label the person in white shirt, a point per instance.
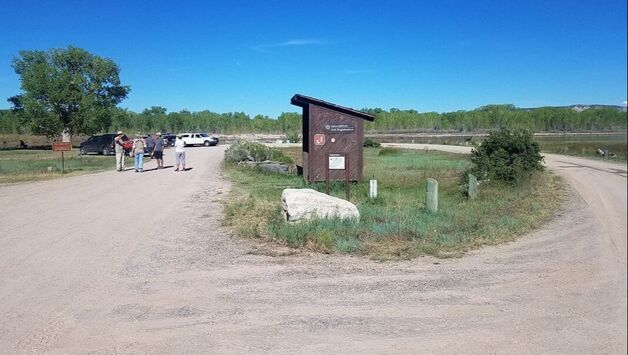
(179, 152)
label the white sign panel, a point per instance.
(336, 163)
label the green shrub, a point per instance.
(371, 143)
(243, 150)
(292, 136)
(507, 156)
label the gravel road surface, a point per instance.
(126, 263)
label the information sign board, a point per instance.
(336, 162)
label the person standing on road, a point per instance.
(138, 152)
(179, 152)
(150, 144)
(119, 149)
(158, 150)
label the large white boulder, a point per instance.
(303, 204)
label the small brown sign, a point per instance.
(319, 139)
(61, 147)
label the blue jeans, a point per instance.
(139, 161)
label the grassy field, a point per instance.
(12, 141)
(17, 165)
(583, 145)
(396, 224)
(586, 147)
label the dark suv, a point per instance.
(101, 144)
(169, 139)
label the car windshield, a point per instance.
(204, 135)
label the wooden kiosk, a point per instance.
(332, 140)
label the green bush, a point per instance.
(243, 150)
(507, 156)
(371, 143)
(292, 136)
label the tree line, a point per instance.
(157, 118)
(487, 118)
(491, 117)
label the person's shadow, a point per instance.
(155, 168)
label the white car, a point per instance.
(199, 138)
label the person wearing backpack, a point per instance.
(138, 152)
(150, 144)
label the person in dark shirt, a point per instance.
(150, 144)
(158, 150)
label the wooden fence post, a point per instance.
(373, 188)
(473, 187)
(432, 195)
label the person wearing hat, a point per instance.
(119, 149)
(158, 150)
(138, 152)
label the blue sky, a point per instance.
(252, 56)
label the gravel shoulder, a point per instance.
(139, 263)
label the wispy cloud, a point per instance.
(290, 43)
(358, 71)
(625, 103)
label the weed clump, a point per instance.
(389, 151)
(370, 143)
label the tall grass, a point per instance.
(32, 165)
(396, 224)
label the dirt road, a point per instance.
(138, 263)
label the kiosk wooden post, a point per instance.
(347, 186)
(331, 130)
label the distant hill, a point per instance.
(581, 107)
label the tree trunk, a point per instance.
(66, 136)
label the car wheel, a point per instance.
(105, 151)
(82, 151)
(206, 143)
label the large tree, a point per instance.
(66, 91)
